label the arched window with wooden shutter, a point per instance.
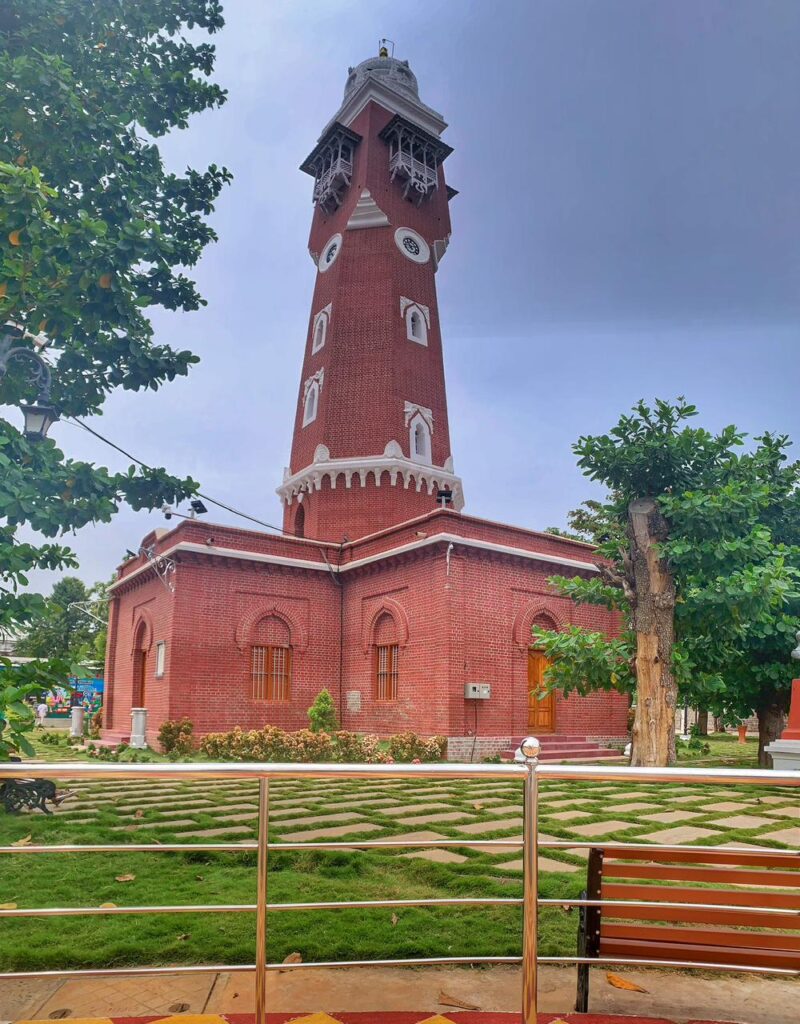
(271, 660)
(386, 654)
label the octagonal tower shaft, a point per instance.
(371, 445)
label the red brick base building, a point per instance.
(380, 589)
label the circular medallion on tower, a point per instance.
(332, 249)
(411, 245)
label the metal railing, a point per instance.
(528, 772)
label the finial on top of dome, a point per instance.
(383, 49)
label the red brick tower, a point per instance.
(371, 445)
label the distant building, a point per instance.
(381, 589)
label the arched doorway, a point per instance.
(541, 705)
(139, 692)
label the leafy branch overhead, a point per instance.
(94, 230)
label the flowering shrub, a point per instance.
(407, 746)
(273, 744)
(353, 748)
(176, 737)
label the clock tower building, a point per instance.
(379, 588)
(371, 445)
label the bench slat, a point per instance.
(702, 954)
(684, 873)
(676, 894)
(701, 855)
(744, 917)
(701, 937)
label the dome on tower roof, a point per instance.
(394, 73)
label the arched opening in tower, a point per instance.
(300, 522)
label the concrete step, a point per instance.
(569, 752)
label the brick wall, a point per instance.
(459, 617)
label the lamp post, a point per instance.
(41, 414)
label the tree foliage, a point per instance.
(65, 629)
(93, 231)
(732, 546)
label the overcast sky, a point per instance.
(627, 226)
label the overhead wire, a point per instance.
(200, 494)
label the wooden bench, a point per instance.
(749, 881)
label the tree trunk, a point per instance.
(653, 611)
(702, 722)
(719, 723)
(771, 713)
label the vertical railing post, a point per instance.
(530, 747)
(261, 902)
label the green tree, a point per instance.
(701, 562)
(93, 231)
(322, 713)
(63, 629)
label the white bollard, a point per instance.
(138, 728)
(77, 716)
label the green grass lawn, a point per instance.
(179, 879)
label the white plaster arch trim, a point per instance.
(425, 310)
(298, 634)
(142, 627)
(419, 443)
(523, 622)
(319, 330)
(412, 409)
(387, 606)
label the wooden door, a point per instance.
(541, 711)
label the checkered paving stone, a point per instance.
(432, 819)
(317, 819)
(330, 833)
(784, 812)
(669, 817)
(439, 856)
(636, 805)
(681, 834)
(477, 827)
(601, 828)
(743, 821)
(727, 805)
(567, 815)
(790, 836)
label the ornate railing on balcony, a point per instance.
(528, 773)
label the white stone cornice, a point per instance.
(210, 551)
(399, 470)
(390, 99)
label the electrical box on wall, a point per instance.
(477, 691)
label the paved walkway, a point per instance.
(749, 1000)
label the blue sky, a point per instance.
(627, 226)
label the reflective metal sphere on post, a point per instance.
(530, 747)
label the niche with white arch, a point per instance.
(311, 393)
(417, 319)
(419, 440)
(320, 328)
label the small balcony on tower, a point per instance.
(331, 165)
(414, 158)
